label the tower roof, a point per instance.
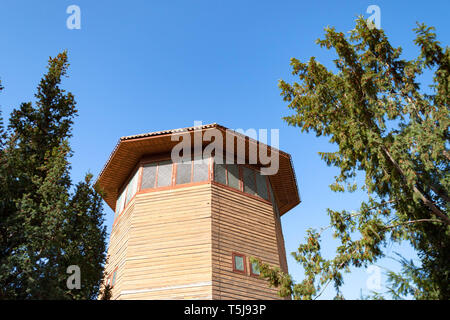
(129, 150)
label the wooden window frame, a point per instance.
(251, 270)
(108, 282)
(241, 182)
(113, 281)
(236, 254)
(137, 169)
(269, 194)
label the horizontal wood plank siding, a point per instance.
(178, 244)
(246, 226)
(117, 250)
(169, 247)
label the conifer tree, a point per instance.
(396, 132)
(46, 223)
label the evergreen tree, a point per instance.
(46, 224)
(105, 288)
(387, 126)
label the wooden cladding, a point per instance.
(183, 244)
(243, 226)
(168, 252)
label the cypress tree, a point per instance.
(387, 126)
(46, 223)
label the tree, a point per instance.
(396, 133)
(105, 292)
(46, 223)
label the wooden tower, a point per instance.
(187, 230)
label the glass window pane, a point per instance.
(255, 268)
(239, 263)
(184, 172)
(164, 173)
(272, 198)
(249, 180)
(119, 204)
(148, 176)
(233, 175)
(122, 199)
(219, 173)
(201, 169)
(276, 209)
(114, 278)
(261, 186)
(274, 203)
(132, 186)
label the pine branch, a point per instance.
(416, 189)
(412, 222)
(357, 214)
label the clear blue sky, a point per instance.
(141, 66)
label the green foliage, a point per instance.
(44, 226)
(386, 126)
(105, 292)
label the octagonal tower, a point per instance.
(187, 230)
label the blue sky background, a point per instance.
(142, 66)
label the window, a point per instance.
(132, 187)
(274, 202)
(233, 176)
(157, 174)
(201, 170)
(248, 177)
(113, 281)
(220, 172)
(254, 269)
(119, 204)
(148, 176)
(261, 186)
(249, 180)
(239, 263)
(184, 172)
(164, 173)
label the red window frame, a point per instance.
(251, 270)
(113, 279)
(175, 172)
(236, 254)
(241, 182)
